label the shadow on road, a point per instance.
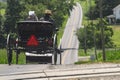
(64, 49)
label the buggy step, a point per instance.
(38, 58)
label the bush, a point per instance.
(111, 55)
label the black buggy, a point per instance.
(37, 37)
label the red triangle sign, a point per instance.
(32, 41)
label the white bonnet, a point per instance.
(31, 12)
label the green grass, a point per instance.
(116, 36)
(84, 62)
(111, 56)
(89, 52)
(61, 30)
(3, 57)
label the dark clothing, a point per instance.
(32, 18)
(47, 18)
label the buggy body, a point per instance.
(37, 37)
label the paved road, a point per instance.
(69, 42)
(103, 71)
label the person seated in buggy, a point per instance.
(32, 16)
(47, 16)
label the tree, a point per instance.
(2, 36)
(90, 35)
(12, 15)
(59, 8)
(108, 5)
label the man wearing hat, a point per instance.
(47, 16)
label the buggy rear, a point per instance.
(36, 37)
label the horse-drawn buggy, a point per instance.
(36, 37)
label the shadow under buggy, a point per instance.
(36, 37)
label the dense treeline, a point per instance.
(2, 19)
(18, 10)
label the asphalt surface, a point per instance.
(69, 41)
(101, 71)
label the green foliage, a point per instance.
(2, 12)
(2, 19)
(58, 8)
(18, 10)
(89, 52)
(61, 29)
(116, 36)
(111, 55)
(84, 62)
(2, 5)
(92, 31)
(12, 15)
(3, 57)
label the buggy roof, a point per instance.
(35, 26)
(34, 22)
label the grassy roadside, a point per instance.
(3, 57)
(116, 36)
(112, 55)
(61, 30)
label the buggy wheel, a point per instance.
(55, 57)
(17, 51)
(60, 55)
(55, 48)
(9, 50)
(17, 56)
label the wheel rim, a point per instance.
(17, 55)
(9, 56)
(55, 58)
(9, 51)
(55, 47)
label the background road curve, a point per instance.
(69, 42)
